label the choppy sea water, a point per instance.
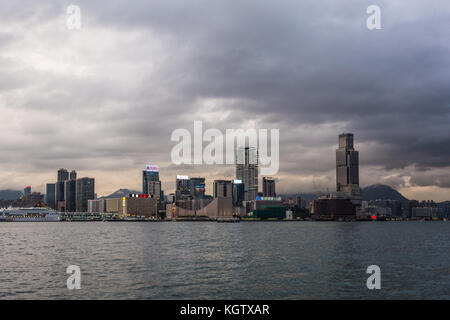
(207, 260)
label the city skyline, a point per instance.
(104, 99)
(63, 176)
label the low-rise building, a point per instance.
(97, 206)
(128, 207)
(333, 209)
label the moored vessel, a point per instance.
(29, 215)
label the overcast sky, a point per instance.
(105, 99)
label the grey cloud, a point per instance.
(136, 71)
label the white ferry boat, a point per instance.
(29, 215)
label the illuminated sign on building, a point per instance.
(199, 189)
(237, 181)
(137, 195)
(182, 177)
(268, 198)
(151, 168)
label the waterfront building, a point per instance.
(61, 206)
(183, 188)
(197, 187)
(247, 171)
(268, 187)
(347, 166)
(298, 202)
(50, 196)
(214, 208)
(268, 208)
(238, 192)
(85, 190)
(59, 191)
(133, 207)
(333, 209)
(154, 189)
(395, 206)
(149, 176)
(70, 195)
(97, 206)
(222, 188)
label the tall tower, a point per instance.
(269, 187)
(50, 195)
(73, 175)
(347, 166)
(85, 190)
(63, 175)
(150, 175)
(222, 188)
(247, 171)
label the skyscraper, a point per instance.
(197, 187)
(183, 188)
(59, 192)
(247, 171)
(238, 192)
(85, 190)
(27, 191)
(73, 175)
(154, 189)
(63, 175)
(222, 188)
(269, 187)
(70, 195)
(347, 166)
(50, 196)
(151, 173)
(151, 184)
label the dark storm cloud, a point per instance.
(112, 93)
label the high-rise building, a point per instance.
(154, 189)
(298, 201)
(197, 187)
(269, 187)
(63, 175)
(347, 166)
(151, 173)
(70, 195)
(73, 175)
(27, 191)
(59, 192)
(238, 192)
(85, 190)
(151, 184)
(183, 188)
(247, 171)
(50, 196)
(222, 189)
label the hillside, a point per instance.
(383, 192)
(119, 194)
(10, 194)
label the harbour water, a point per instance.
(207, 260)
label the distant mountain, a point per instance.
(383, 192)
(10, 194)
(119, 194)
